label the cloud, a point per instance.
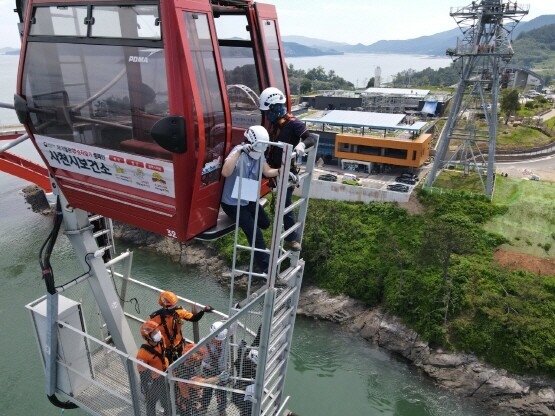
(350, 21)
(9, 33)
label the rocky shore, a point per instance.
(36, 199)
(463, 374)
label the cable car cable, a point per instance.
(46, 250)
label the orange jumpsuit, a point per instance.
(152, 384)
(171, 321)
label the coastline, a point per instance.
(502, 393)
(462, 374)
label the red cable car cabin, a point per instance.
(134, 105)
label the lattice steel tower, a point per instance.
(483, 52)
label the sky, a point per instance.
(349, 21)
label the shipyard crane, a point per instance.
(133, 107)
(483, 52)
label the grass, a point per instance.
(456, 180)
(529, 223)
(514, 138)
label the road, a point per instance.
(543, 167)
(549, 115)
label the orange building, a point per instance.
(392, 151)
(374, 138)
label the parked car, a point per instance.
(404, 179)
(328, 177)
(350, 179)
(351, 182)
(409, 175)
(398, 187)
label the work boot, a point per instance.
(293, 245)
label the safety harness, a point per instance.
(172, 351)
(160, 355)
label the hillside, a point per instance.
(9, 51)
(435, 44)
(292, 49)
(536, 48)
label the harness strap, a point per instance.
(163, 313)
(160, 356)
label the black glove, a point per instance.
(208, 308)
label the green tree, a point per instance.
(509, 103)
(306, 86)
(444, 237)
(371, 83)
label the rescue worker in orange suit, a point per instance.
(171, 318)
(153, 353)
(189, 398)
(286, 129)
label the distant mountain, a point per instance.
(315, 43)
(546, 19)
(423, 45)
(9, 51)
(293, 49)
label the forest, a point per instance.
(440, 278)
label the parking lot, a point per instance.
(381, 181)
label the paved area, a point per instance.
(375, 181)
(543, 167)
(549, 115)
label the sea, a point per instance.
(331, 371)
(358, 68)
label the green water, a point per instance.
(330, 372)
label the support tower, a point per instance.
(483, 52)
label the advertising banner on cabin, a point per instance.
(139, 172)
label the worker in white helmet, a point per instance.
(287, 129)
(245, 369)
(243, 164)
(213, 364)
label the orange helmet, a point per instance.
(167, 299)
(147, 328)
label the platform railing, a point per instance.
(105, 381)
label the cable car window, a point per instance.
(105, 96)
(232, 27)
(241, 76)
(59, 21)
(202, 51)
(129, 22)
(271, 39)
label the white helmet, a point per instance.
(258, 136)
(253, 356)
(270, 96)
(222, 334)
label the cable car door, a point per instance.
(272, 48)
(209, 124)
